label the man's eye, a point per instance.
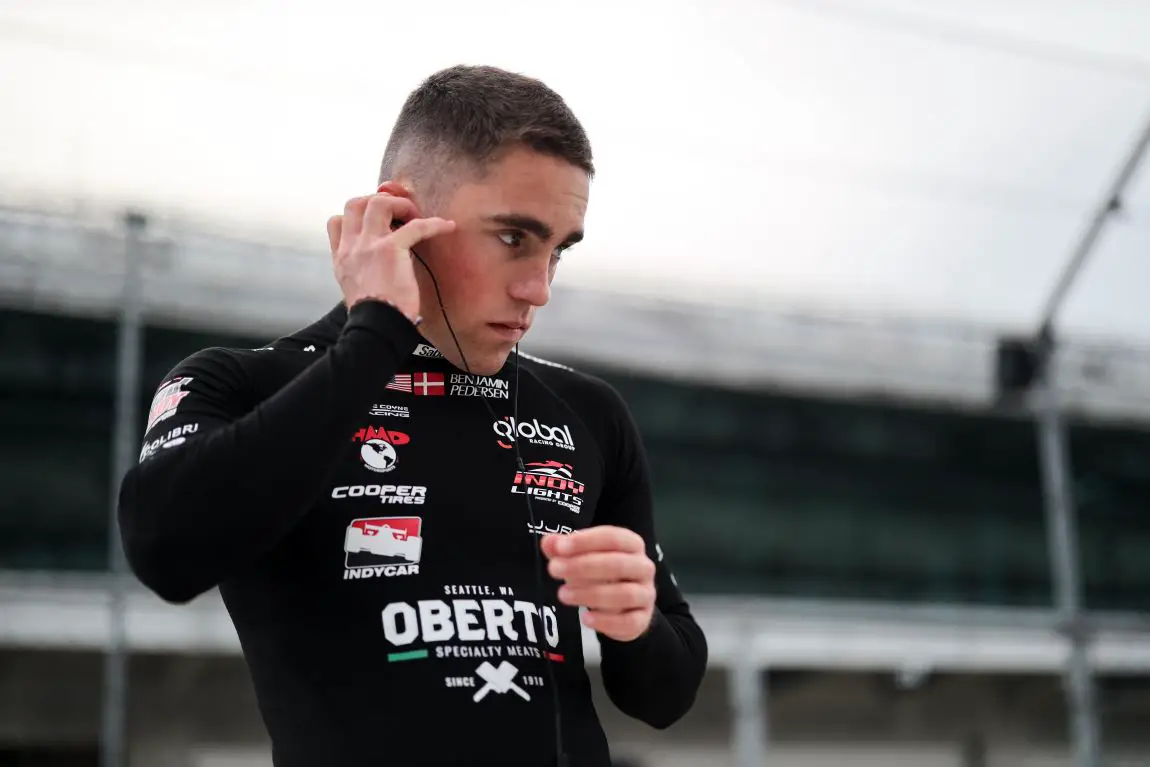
(511, 239)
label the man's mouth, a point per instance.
(509, 330)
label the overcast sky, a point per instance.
(932, 157)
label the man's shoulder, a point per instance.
(234, 367)
(578, 387)
(280, 359)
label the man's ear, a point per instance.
(396, 188)
(399, 189)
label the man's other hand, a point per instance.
(606, 570)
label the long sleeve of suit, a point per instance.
(656, 677)
(248, 467)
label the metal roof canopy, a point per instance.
(876, 157)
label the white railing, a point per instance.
(59, 611)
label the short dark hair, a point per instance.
(471, 114)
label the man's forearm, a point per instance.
(656, 677)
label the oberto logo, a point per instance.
(534, 432)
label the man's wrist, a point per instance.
(412, 316)
(642, 637)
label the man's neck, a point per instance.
(443, 341)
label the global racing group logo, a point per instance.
(508, 430)
(550, 481)
(378, 450)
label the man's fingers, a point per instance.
(382, 209)
(373, 216)
(602, 567)
(352, 220)
(609, 597)
(421, 229)
(597, 538)
(334, 229)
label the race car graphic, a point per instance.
(550, 468)
(377, 539)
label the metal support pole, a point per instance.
(1110, 204)
(748, 704)
(1062, 536)
(1059, 499)
(128, 364)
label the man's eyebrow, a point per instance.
(532, 225)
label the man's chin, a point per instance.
(485, 355)
(481, 360)
(489, 364)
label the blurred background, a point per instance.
(872, 274)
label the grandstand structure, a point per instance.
(856, 520)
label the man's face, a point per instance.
(495, 269)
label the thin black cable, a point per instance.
(560, 753)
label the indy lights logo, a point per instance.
(550, 481)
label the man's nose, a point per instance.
(533, 285)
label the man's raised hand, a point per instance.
(605, 569)
(373, 261)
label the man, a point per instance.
(409, 520)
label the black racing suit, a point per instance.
(365, 521)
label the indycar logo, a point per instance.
(377, 547)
